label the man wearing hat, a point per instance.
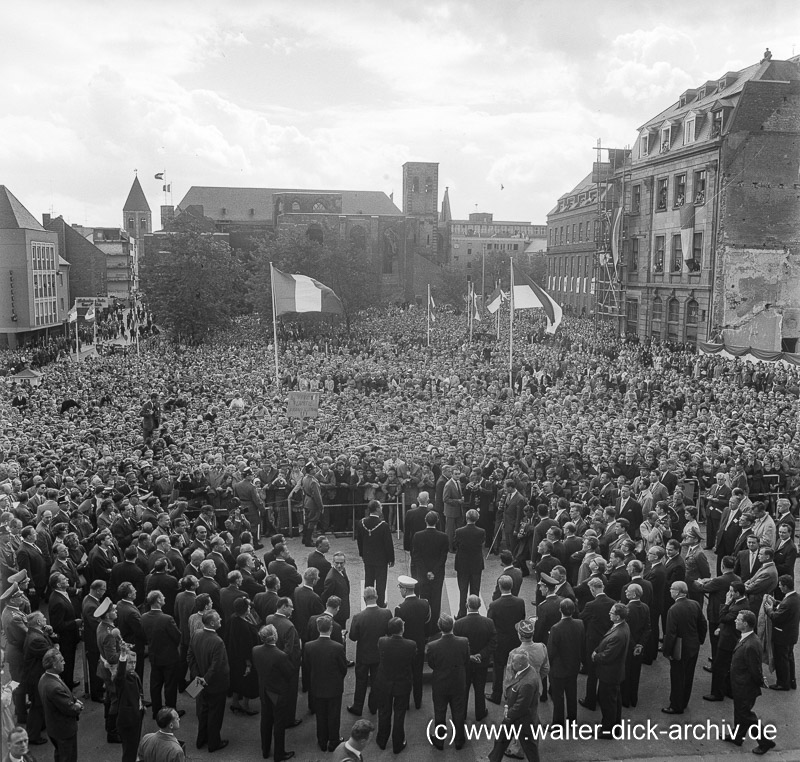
(109, 645)
(15, 628)
(696, 563)
(415, 613)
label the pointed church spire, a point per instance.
(445, 215)
(136, 201)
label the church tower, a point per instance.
(137, 220)
(421, 201)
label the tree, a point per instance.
(451, 288)
(194, 284)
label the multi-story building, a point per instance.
(137, 221)
(711, 226)
(88, 267)
(34, 278)
(119, 251)
(481, 246)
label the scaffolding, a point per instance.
(609, 266)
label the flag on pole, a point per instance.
(496, 298)
(72, 315)
(167, 188)
(431, 308)
(687, 235)
(160, 176)
(299, 293)
(616, 234)
(528, 295)
(476, 311)
(89, 316)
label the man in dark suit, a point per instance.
(208, 661)
(429, 558)
(609, 658)
(548, 613)
(716, 588)
(618, 575)
(509, 570)
(785, 553)
(656, 575)
(638, 621)
(448, 657)
(747, 560)
(65, 624)
(397, 655)
(453, 503)
(416, 614)
(376, 548)
(596, 623)
(102, 557)
(61, 709)
(675, 569)
(338, 583)
(522, 709)
(307, 604)
(564, 648)
(469, 541)
(266, 603)
(635, 570)
(629, 509)
(127, 570)
(163, 639)
(161, 580)
(31, 560)
(287, 574)
(97, 591)
(275, 678)
(414, 522)
(326, 664)
(367, 628)
(785, 618)
(747, 677)
(318, 561)
(207, 584)
(38, 641)
(719, 506)
(513, 509)
(728, 531)
(505, 612)
(289, 643)
(482, 636)
(684, 633)
(727, 637)
(129, 622)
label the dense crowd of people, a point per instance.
(135, 493)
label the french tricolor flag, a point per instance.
(299, 293)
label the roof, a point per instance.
(238, 202)
(765, 70)
(136, 201)
(13, 215)
(446, 214)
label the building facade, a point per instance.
(137, 222)
(712, 213)
(88, 267)
(34, 278)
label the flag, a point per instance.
(431, 308)
(528, 295)
(496, 298)
(72, 315)
(616, 231)
(160, 176)
(476, 312)
(167, 188)
(89, 316)
(299, 293)
(687, 233)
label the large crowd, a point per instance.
(141, 480)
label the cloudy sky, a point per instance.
(312, 94)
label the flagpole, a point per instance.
(429, 314)
(511, 331)
(497, 315)
(77, 356)
(94, 324)
(471, 309)
(274, 325)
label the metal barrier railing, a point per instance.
(397, 512)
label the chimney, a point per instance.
(45, 220)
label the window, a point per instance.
(632, 315)
(573, 233)
(131, 225)
(716, 124)
(567, 233)
(700, 187)
(644, 144)
(295, 206)
(661, 195)
(318, 206)
(561, 235)
(666, 139)
(43, 260)
(697, 253)
(658, 310)
(673, 316)
(634, 256)
(580, 231)
(596, 230)
(658, 257)
(636, 199)
(680, 190)
(415, 185)
(692, 319)
(689, 130)
(677, 254)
